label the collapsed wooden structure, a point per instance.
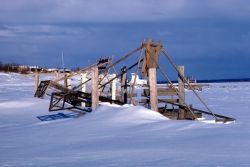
(104, 87)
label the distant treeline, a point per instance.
(24, 69)
(14, 67)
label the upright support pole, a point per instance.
(181, 87)
(124, 94)
(36, 79)
(83, 80)
(65, 80)
(68, 82)
(56, 74)
(94, 87)
(153, 88)
(113, 88)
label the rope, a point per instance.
(184, 79)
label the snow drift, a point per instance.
(121, 135)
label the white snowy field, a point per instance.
(121, 136)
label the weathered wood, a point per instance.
(161, 100)
(56, 74)
(153, 89)
(151, 57)
(83, 82)
(36, 80)
(173, 114)
(164, 91)
(57, 86)
(124, 94)
(113, 88)
(181, 87)
(65, 81)
(94, 87)
(224, 118)
(146, 57)
(69, 82)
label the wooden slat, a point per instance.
(167, 91)
(161, 100)
(94, 87)
(163, 92)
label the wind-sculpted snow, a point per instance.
(121, 135)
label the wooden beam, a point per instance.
(163, 91)
(65, 81)
(113, 87)
(153, 89)
(181, 87)
(94, 87)
(124, 95)
(161, 100)
(36, 79)
(83, 82)
(68, 82)
(151, 57)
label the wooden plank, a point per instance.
(113, 87)
(151, 57)
(36, 80)
(167, 91)
(65, 81)
(124, 95)
(69, 82)
(83, 82)
(145, 59)
(162, 92)
(94, 87)
(161, 100)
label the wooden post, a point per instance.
(36, 79)
(56, 74)
(113, 88)
(68, 82)
(83, 80)
(65, 80)
(153, 88)
(124, 95)
(133, 78)
(181, 113)
(94, 87)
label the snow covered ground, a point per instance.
(121, 136)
